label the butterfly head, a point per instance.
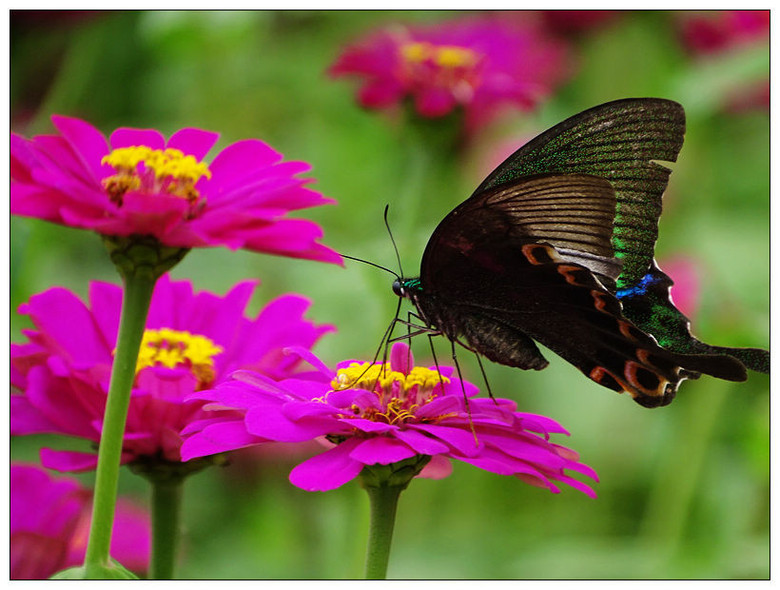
(406, 287)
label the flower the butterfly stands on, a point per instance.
(557, 246)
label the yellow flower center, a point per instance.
(363, 376)
(445, 56)
(400, 394)
(173, 348)
(166, 171)
(456, 69)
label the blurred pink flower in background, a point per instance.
(383, 414)
(481, 64)
(143, 184)
(49, 524)
(192, 341)
(686, 291)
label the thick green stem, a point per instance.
(166, 512)
(384, 483)
(135, 306)
(384, 502)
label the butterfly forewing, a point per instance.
(620, 141)
(572, 212)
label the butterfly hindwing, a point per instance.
(562, 306)
(648, 304)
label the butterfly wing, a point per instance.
(622, 142)
(513, 284)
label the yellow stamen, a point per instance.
(361, 376)
(416, 52)
(173, 348)
(446, 56)
(449, 56)
(400, 395)
(169, 162)
(168, 171)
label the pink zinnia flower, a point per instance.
(192, 341)
(50, 520)
(479, 64)
(143, 184)
(383, 414)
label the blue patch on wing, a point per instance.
(639, 289)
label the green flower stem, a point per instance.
(384, 484)
(384, 502)
(166, 512)
(135, 306)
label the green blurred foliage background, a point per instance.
(684, 490)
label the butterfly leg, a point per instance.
(463, 389)
(484, 377)
(420, 328)
(435, 360)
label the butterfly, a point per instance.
(556, 246)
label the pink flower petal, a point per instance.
(328, 470)
(233, 164)
(381, 449)
(438, 467)
(128, 137)
(68, 461)
(26, 419)
(271, 422)
(50, 521)
(88, 143)
(461, 440)
(423, 445)
(217, 438)
(195, 142)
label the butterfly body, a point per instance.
(556, 247)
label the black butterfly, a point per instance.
(556, 245)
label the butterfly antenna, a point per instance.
(390, 233)
(371, 264)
